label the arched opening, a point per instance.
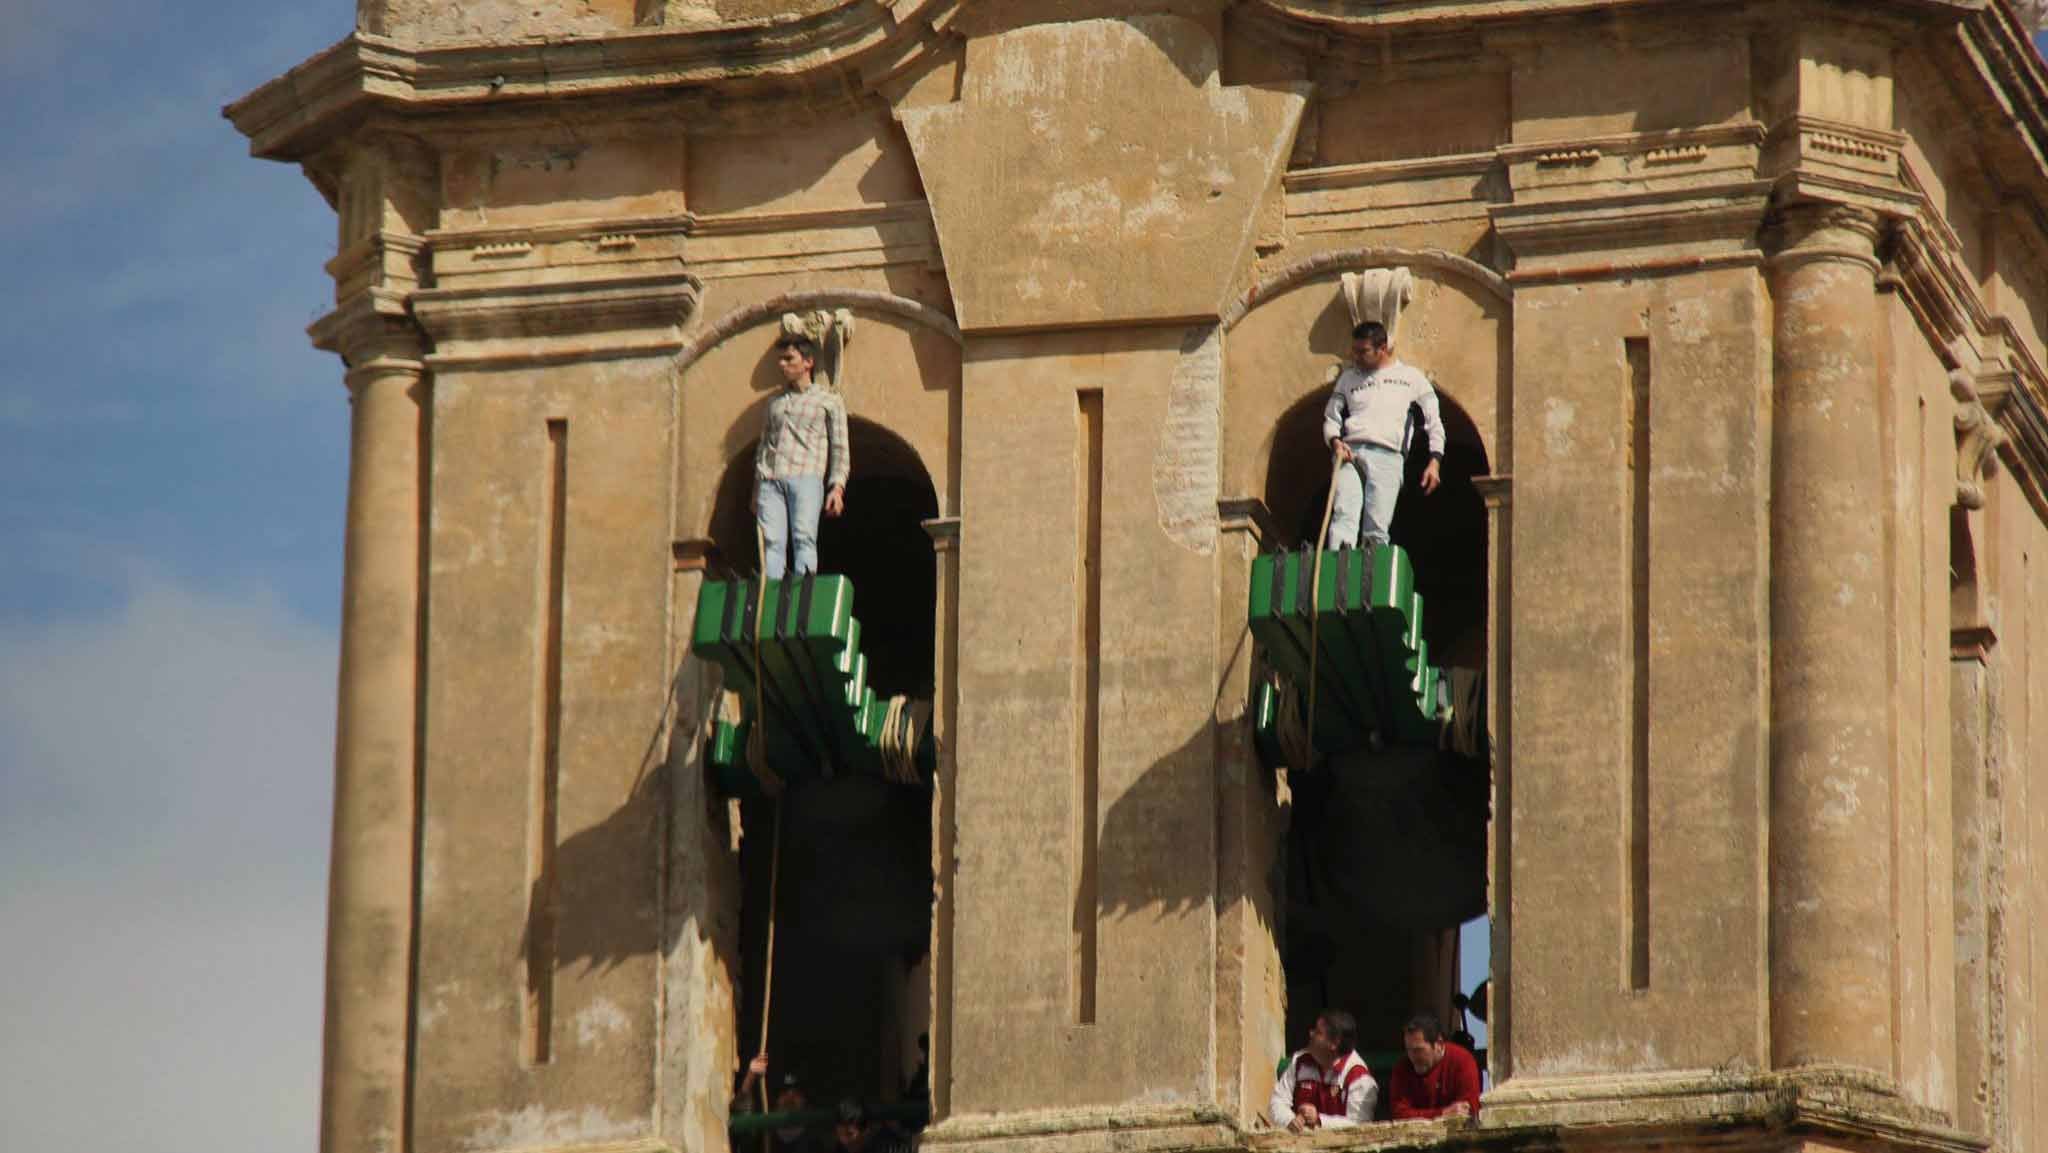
(1385, 856)
(850, 992)
(1445, 532)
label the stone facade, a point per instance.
(1738, 309)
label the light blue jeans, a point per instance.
(788, 509)
(1367, 490)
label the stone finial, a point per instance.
(1379, 294)
(831, 332)
(2032, 13)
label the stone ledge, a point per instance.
(1091, 1130)
(1696, 1108)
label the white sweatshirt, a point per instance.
(1372, 408)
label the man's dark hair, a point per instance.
(804, 346)
(1432, 1030)
(1342, 1028)
(1372, 332)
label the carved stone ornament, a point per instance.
(831, 332)
(1978, 438)
(1377, 294)
(2032, 13)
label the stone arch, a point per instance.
(879, 543)
(1445, 533)
(904, 378)
(1322, 264)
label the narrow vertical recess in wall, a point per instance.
(1087, 688)
(547, 755)
(1638, 914)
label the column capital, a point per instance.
(944, 531)
(1810, 231)
(373, 333)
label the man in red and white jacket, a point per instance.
(1325, 1086)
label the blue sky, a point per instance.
(172, 468)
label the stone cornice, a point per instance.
(1394, 15)
(1675, 230)
(552, 323)
(298, 113)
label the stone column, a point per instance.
(945, 534)
(1831, 823)
(371, 882)
(1498, 492)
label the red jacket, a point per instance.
(1452, 1079)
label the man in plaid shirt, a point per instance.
(802, 463)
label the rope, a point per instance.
(768, 965)
(1315, 606)
(757, 740)
(757, 759)
(903, 730)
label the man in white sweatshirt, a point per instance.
(1326, 1085)
(1366, 424)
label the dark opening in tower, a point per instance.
(1385, 854)
(850, 993)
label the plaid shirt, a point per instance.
(804, 435)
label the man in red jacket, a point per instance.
(1439, 1078)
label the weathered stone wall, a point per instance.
(1723, 360)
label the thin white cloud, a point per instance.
(165, 773)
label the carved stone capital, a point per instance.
(944, 531)
(369, 330)
(1814, 231)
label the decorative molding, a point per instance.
(1667, 146)
(741, 319)
(1323, 264)
(555, 309)
(1851, 146)
(1682, 154)
(507, 249)
(830, 55)
(772, 223)
(1338, 177)
(591, 230)
(1671, 229)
